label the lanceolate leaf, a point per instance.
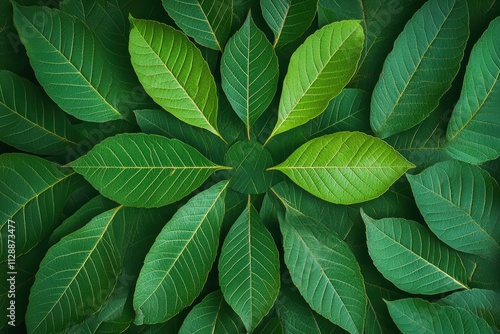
(412, 258)
(179, 81)
(249, 268)
(207, 21)
(177, 265)
(414, 315)
(79, 272)
(144, 170)
(71, 64)
(460, 204)
(345, 167)
(31, 122)
(212, 315)
(249, 69)
(311, 82)
(475, 123)
(288, 19)
(33, 192)
(325, 271)
(421, 67)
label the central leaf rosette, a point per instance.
(249, 161)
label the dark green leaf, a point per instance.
(144, 170)
(249, 70)
(178, 263)
(421, 67)
(249, 268)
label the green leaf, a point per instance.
(30, 121)
(311, 83)
(159, 122)
(412, 258)
(297, 317)
(70, 63)
(208, 22)
(78, 273)
(184, 88)
(324, 269)
(249, 161)
(460, 204)
(249, 70)
(249, 268)
(177, 265)
(345, 167)
(474, 125)
(421, 67)
(212, 315)
(288, 19)
(272, 326)
(82, 216)
(414, 315)
(33, 192)
(483, 303)
(144, 170)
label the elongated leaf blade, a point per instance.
(414, 315)
(475, 123)
(31, 122)
(249, 268)
(412, 258)
(212, 315)
(249, 70)
(421, 67)
(185, 88)
(288, 19)
(208, 22)
(483, 303)
(345, 167)
(33, 192)
(144, 170)
(460, 204)
(324, 269)
(177, 265)
(71, 64)
(311, 83)
(79, 272)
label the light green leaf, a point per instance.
(324, 269)
(31, 122)
(414, 315)
(71, 63)
(208, 22)
(288, 19)
(249, 70)
(78, 274)
(412, 258)
(483, 303)
(177, 265)
(345, 167)
(297, 317)
(33, 192)
(460, 203)
(144, 170)
(185, 88)
(212, 315)
(311, 83)
(249, 268)
(421, 67)
(475, 122)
